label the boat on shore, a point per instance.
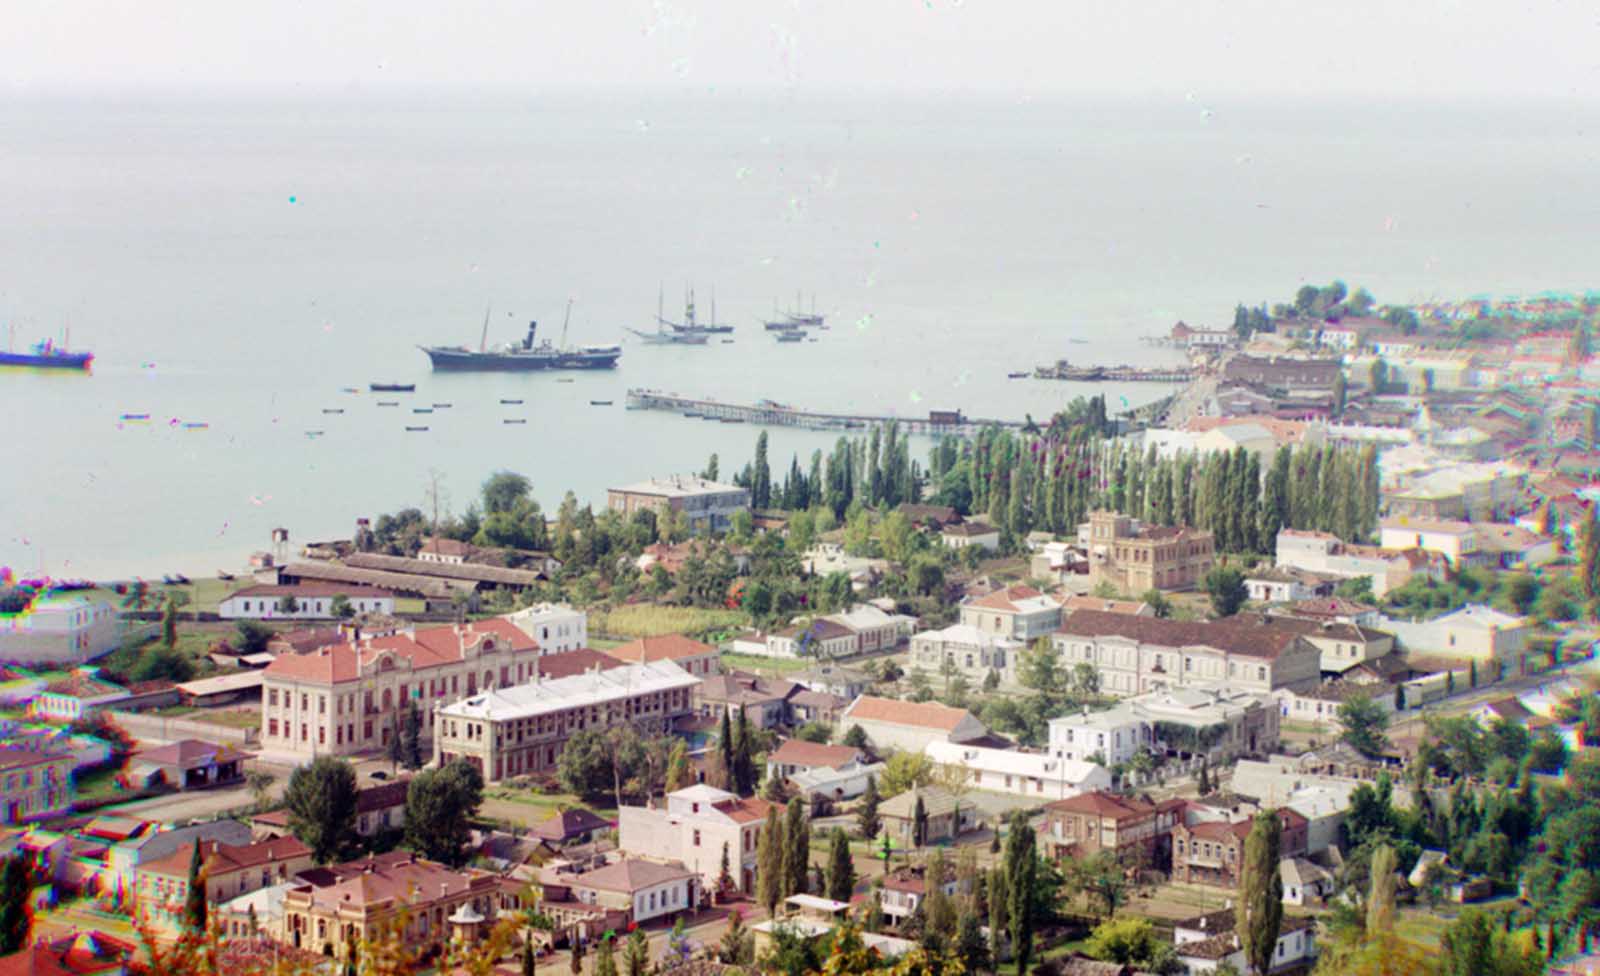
(392, 387)
(47, 355)
(523, 357)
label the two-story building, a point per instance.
(642, 891)
(697, 825)
(1212, 851)
(352, 696)
(558, 628)
(992, 632)
(891, 723)
(1134, 558)
(37, 783)
(1205, 943)
(700, 660)
(522, 729)
(1139, 833)
(706, 506)
(229, 871)
(1214, 723)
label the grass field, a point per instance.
(764, 665)
(648, 620)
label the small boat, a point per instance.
(422, 410)
(197, 426)
(512, 402)
(134, 416)
(1024, 374)
(388, 403)
(601, 403)
(333, 410)
(46, 355)
(514, 420)
(440, 406)
(315, 433)
(789, 336)
(348, 389)
(224, 575)
(566, 379)
(414, 429)
(727, 342)
(392, 387)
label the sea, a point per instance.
(239, 263)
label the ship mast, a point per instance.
(564, 322)
(483, 341)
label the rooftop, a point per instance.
(423, 648)
(799, 752)
(929, 715)
(668, 647)
(190, 752)
(313, 589)
(678, 486)
(1235, 638)
(577, 691)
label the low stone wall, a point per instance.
(156, 728)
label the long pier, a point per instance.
(1063, 370)
(769, 414)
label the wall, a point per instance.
(158, 729)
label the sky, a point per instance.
(1014, 48)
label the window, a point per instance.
(272, 696)
(697, 838)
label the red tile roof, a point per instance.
(1248, 639)
(745, 810)
(1006, 599)
(78, 954)
(667, 647)
(1101, 804)
(313, 589)
(224, 858)
(191, 752)
(429, 648)
(576, 661)
(931, 715)
(799, 752)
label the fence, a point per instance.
(164, 729)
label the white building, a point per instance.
(978, 535)
(696, 825)
(706, 506)
(60, 627)
(1222, 720)
(1475, 632)
(1324, 553)
(1456, 541)
(993, 631)
(302, 601)
(555, 626)
(1035, 775)
(1285, 584)
(1205, 943)
(894, 724)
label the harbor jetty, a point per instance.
(1063, 370)
(772, 414)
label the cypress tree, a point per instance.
(744, 760)
(1259, 911)
(1380, 897)
(841, 868)
(867, 822)
(761, 476)
(194, 902)
(919, 823)
(530, 964)
(797, 849)
(1024, 871)
(724, 776)
(16, 909)
(413, 746)
(605, 959)
(636, 954)
(999, 912)
(1589, 557)
(770, 862)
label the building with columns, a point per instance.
(350, 697)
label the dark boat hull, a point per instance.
(70, 360)
(392, 387)
(461, 360)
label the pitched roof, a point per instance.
(799, 752)
(739, 688)
(630, 875)
(744, 809)
(576, 661)
(18, 757)
(1007, 599)
(569, 823)
(424, 648)
(1072, 604)
(398, 875)
(222, 858)
(936, 801)
(667, 647)
(928, 715)
(1101, 804)
(314, 589)
(191, 752)
(1267, 641)
(77, 954)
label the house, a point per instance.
(380, 807)
(1186, 335)
(336, 906)
(73, 954)
(189, 764)
(222, 689)
(1509, 710)
(436, 549)
(565, 664)
(1342, 645)
(522, 729)
(1286, 584)
(1324, 553)
(1134, 558)
(992, 630)
(641, 890)
(687, 653)
(58, 627)
(764, 701)
(1212, 851)
(1032, 774)
(304, 601)
(932, 516)
(1058, 562)
(1133, 608)
(973, 535)
(695, 827)
(143, 843)
(1214, 723)
(823, 787)
(905, 888)
(1296, 377)
(820, 637)
(806, 706)
(37, 784)
(1456, 541)
(1306, 884)
(704, 506)
(163, 884)
(795, 756)
(1207, 942)
(1319, 706)
(1508, 546)
(1335, 609)
(351, 696)
(1495, 641)
(1136, 831)
(948, 816)
(875, 629)
(894, 724)
(1132, 655)
(555, 626)
(573, 824)
(835, 679)
(76, 696)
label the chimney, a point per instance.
(444, 889)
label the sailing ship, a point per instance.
(686, 333)
(799, 319)
(524, 356)
(45, 354)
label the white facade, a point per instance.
(893, 724)
(1116, 735)
(1456, 541)
(61, 628)
(695, 826)
(310, 603)
(1031, 774)
(555, 626)
(1249, 723)
(1475, 632)
(971, 651)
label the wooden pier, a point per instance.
(766, 413)
(1063, 370)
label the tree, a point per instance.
(605, 958)
(530, 962)
(905, 771)
(919, 823)
(1040, 669)
(1129, 942)
(1380, 897)
(411, 753)
(1226, 587)
(16, 904)
(737, 947)
(841, 868)
(1022, 867)
(725, 873)
(796, 850)
(678, 775)
(636, 956)
(169, 624)
(1589, 557)
(761, 476)
(855, 737)
(1363, 721)
(867, 822)
(999, 911)
(1259, 911)
(770, 862)
(321, 799)
(194, 899)
(585, 765)
(340, 607)
(440, 805)
(577, 957)
(744, 757)
(1158, 603)
(252, 636)
(288, 604)
(971, 948)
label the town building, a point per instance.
(1212, 851)
(1185, 335)
(77, 695)
(1456, 541)
(188, 764)
(819, 637)
(380, 808)
(763, 701)
(697, 824)
(1133, 655)
(700, 660)
(1324, 553)
(891, 723)
(303, 601)
(973, 535)
(1206, 943)
(835, 679)
(555, 626)
(59, 627)
(1295, 377)
(796, 756)
(352, 903)
(352, 696)
(1213, 723)
(1134, 558)
(993, 630)
(436, 549)
(642, 891)
(1495, 641)
(1032, 774)
(73, 954)
(37, 784)
(706, 506)
(948, 816)
(140, 842)
(1135, 831)
(1286, 584)
(1133, 608)
(905, 888)
(162, 885)
(1343, 646)
(573, 825)
(521, 729)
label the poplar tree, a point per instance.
(919, 823)
(722, 770)
(677, 767)
(1589, 557)
(1258, 915)
(1022, 863)
(796, 850)
(605, 958)
(194, 902)
(16, 911)
(761, 475)
(1380, 896)
(841, 868)
(636, 954)
(770, 862)
(867, 822)
(999, 911)
(744, 760)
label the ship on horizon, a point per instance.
(525, 356)
(45, 354)
(799, 319)
(689, 332)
